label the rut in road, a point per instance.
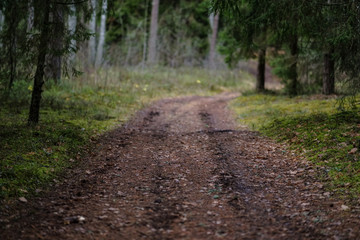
(182, 169)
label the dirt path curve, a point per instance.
(182, 170)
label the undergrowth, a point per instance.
(312, 126)
(77, 110)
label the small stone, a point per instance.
(344, 207)
(326, 194)
(74, 219)
(22, 199)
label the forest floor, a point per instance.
(183, 169)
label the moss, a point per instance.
(312, 127)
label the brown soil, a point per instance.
(182, 169)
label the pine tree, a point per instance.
(39, 75)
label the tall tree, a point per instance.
(39, 74)
(243, 39)
(153, 32)
(12, 20)
(30, 18)
(100, 47)
(214, 23)
(72, 22)
(92, 29)
(1, 20)
(54, 68)
(2, 17)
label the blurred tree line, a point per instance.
(311, 45)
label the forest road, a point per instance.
(182, 169)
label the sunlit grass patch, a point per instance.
(312, 127)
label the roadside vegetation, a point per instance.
(313, 127)
(74, 113)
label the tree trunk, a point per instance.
(2, 17)
(1, 20)
(329, 73)
(212, 53)
(100, 47)
(293, 67)
(153, 32)
(39, 74)
(12, 44)
(30, 19)
(260, 78)
(72, 21)
(55, 60)
(92, 28)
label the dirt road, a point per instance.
(182, 169)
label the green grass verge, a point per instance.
(314, 128)
(78, 109)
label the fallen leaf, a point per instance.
(352, 151)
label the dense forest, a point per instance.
(74, 75)
(311, 45)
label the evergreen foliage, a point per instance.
(299, 32)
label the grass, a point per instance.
(312, 126)
(77, 110)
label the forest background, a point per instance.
(72, 69)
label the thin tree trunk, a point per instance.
(143, 60)
(260, 78)
(212, 53)
(92, 40)
(2, 18)
(30, 19)
(39, 74)
(329, 73)
(293, 67)
(100, 47)
(72, 21)
(13, 22)
(153, 32)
